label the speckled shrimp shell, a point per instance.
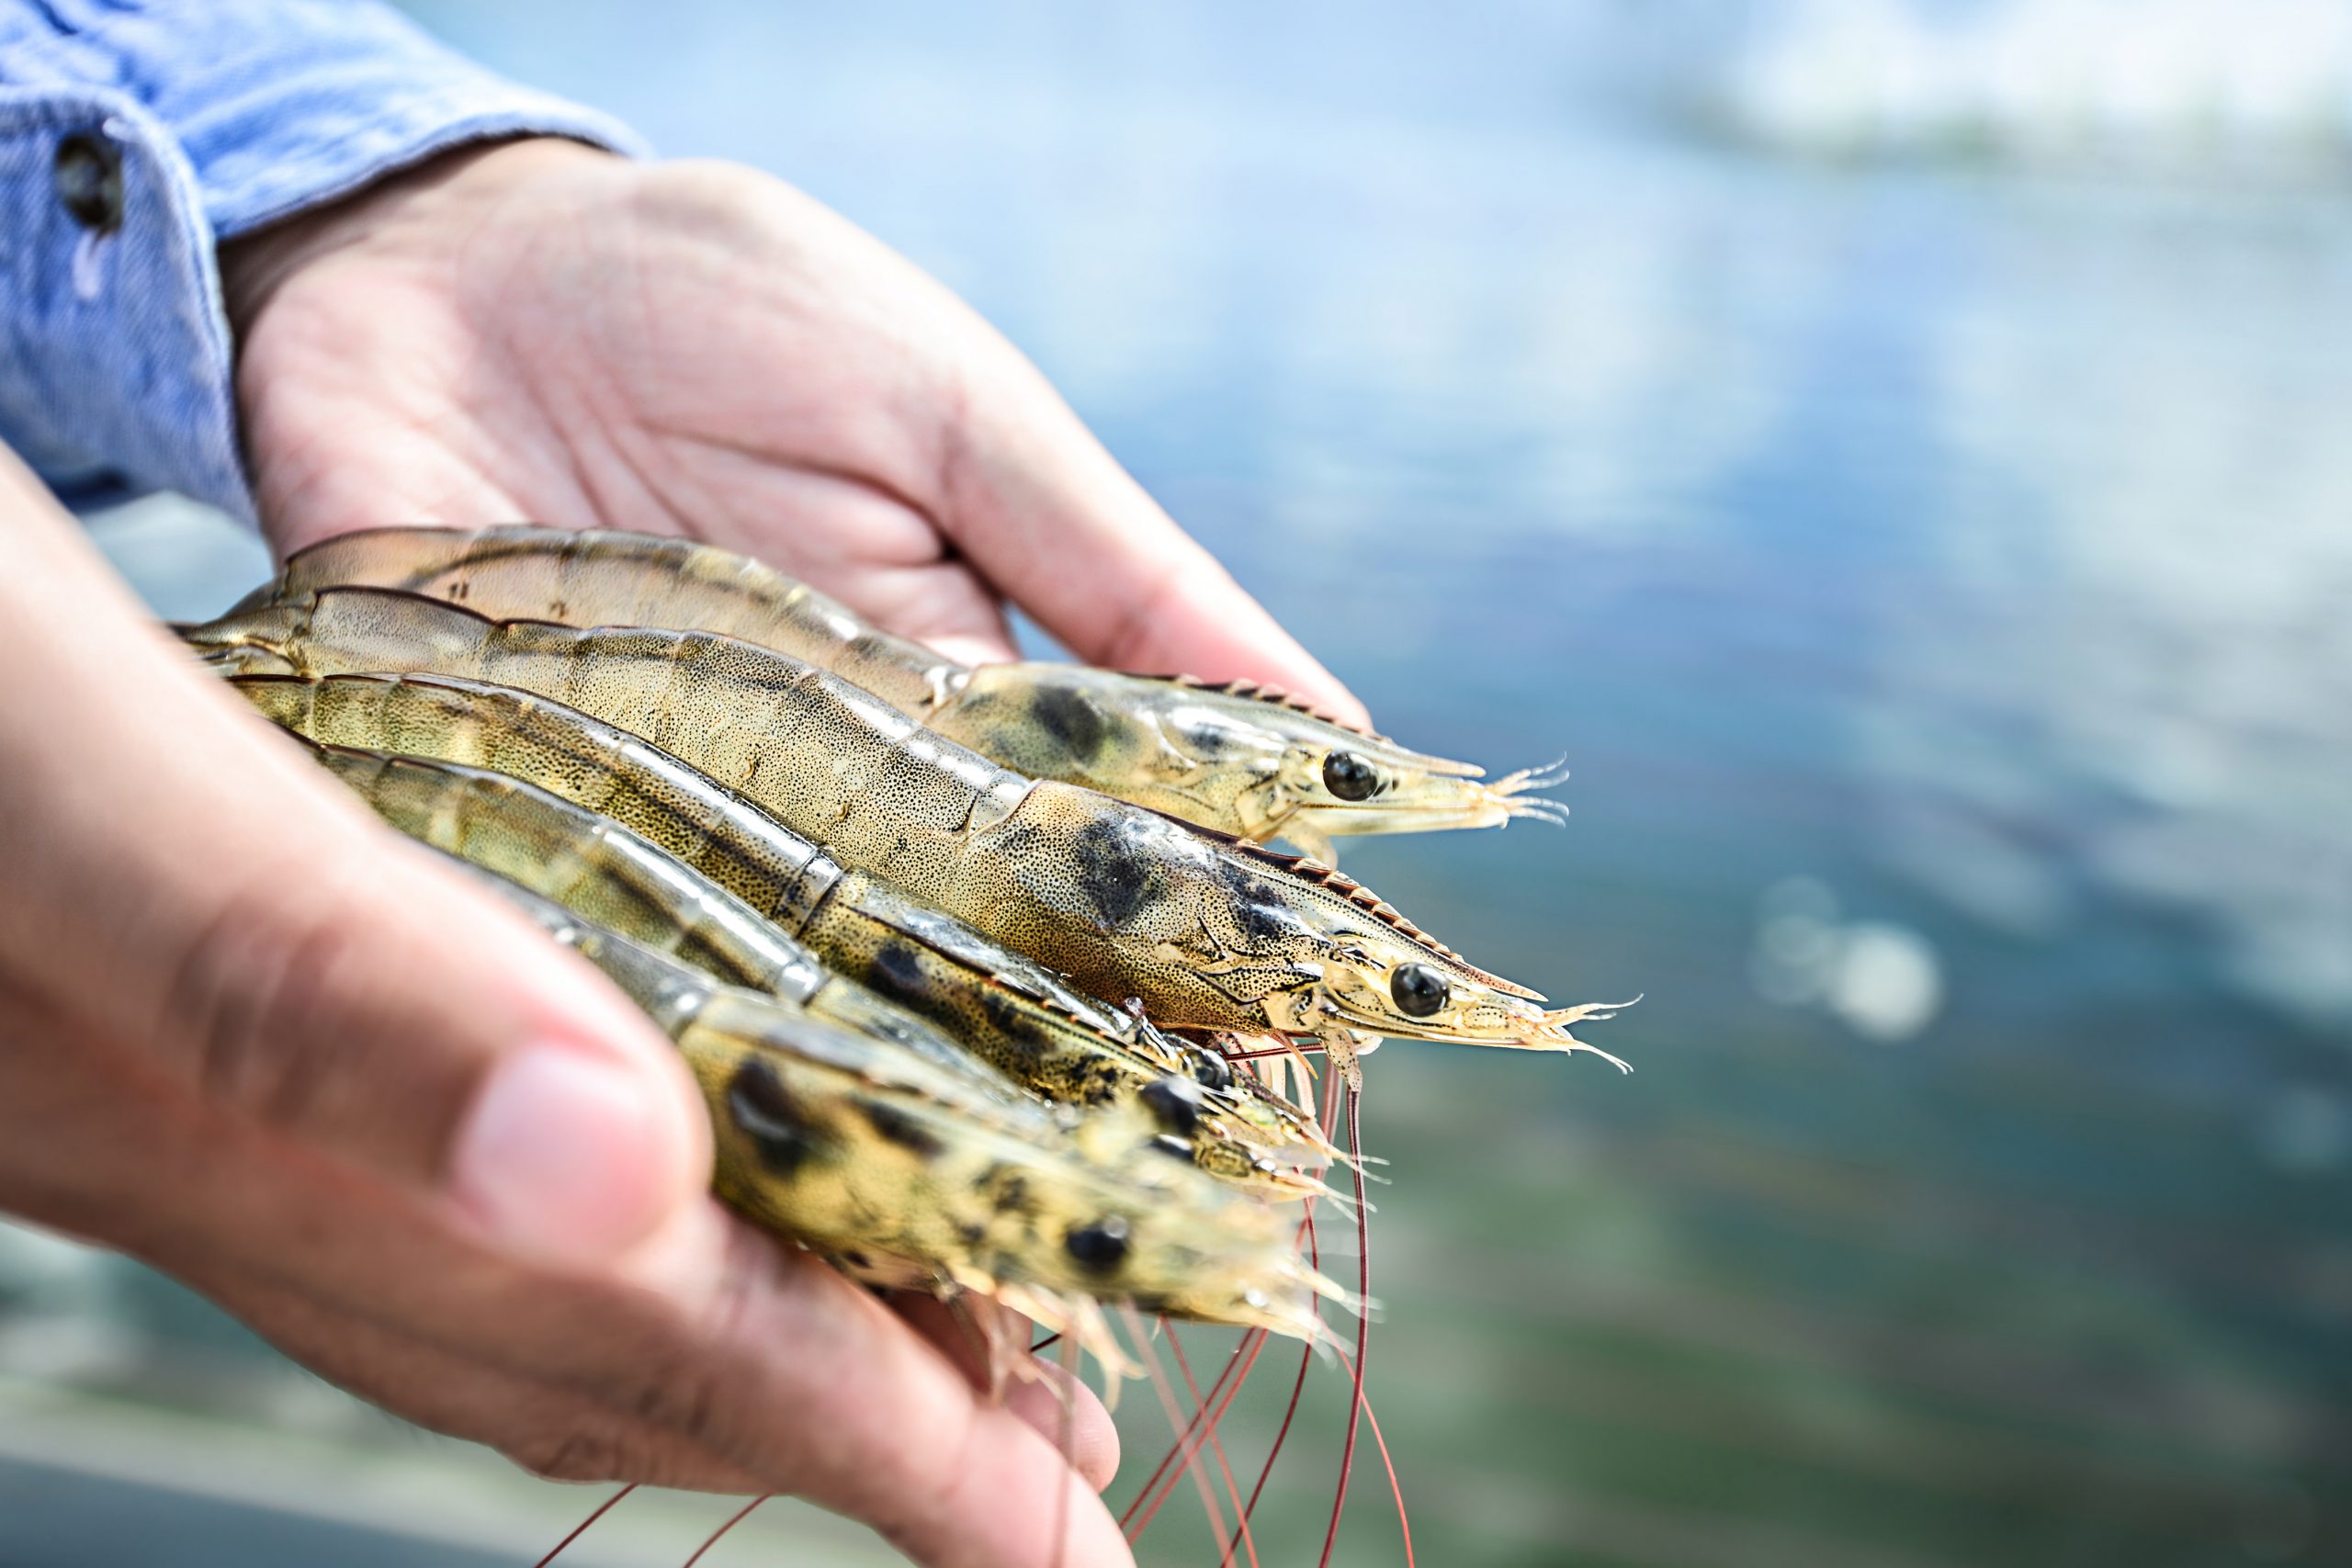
(1129, 903)
(608, 876)
(1241, 758)
(858, 1147)
(1012, 1011)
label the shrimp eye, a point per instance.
(1419, 989)
(1349, 777)
(1211, 1070)
(1175, 1103)
(1102, 1244)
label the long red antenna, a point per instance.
(1245, 1356)
(1364, 1327)
(1176, 1422)
(736, 1519)
(1217, 1446)
(1404, 1524)
(1306, 1356)
(1290, 1414)
(581, 1528)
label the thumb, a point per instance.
(388, 1012)
(182, 879)
(1050, 516)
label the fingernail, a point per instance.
(566, 1156)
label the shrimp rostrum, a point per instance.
(1204, 931)
(1240, 757)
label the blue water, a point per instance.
(1936, 578)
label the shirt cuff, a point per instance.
(115, 361)
(281, 104)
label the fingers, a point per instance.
(1050, 516)
(254, 1039)
(989, 1345)
(715, 1356)
(181, 879)
(550, 1429)
(888, 1428)
(656, 405)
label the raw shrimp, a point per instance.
(1238, 757)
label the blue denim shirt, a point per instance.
(208, 117)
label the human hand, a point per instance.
(538, 332)
(251, 1037)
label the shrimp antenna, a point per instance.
(1245, 1355)
(1245, 1359)
(1404, 1523)
(1297, 1387)
(581, 1528)
(736, 1517)
(1176, 1422)
(1217, 1445)
(1364, 1335)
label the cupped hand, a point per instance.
(253, 1037)
(538, 332)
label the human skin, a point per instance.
(253, 1038)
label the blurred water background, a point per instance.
(1902, 455)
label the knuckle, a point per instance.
(254, 1002)
(581, 1453)
(681, 1393)
(684, 1379)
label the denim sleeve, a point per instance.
(133, 138)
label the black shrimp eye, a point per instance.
(1211, 1070)
(1102, 1244)
(1419, 989)
(1349, 777)
(1175, 1103)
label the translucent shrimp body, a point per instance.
(855, 1146)
(1242, 759)
(1014, 1012)
(1205, 932)
(608, 876)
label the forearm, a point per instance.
(133, 144)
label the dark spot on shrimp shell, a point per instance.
(1011, 1021)
(1012, 1195)
(764, 1113)
(898, 970)
(1257, 910)
(1101, 1245)
(1116, 876)
(1071, 719)
(899, 1128)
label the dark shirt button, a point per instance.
(88, 176)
